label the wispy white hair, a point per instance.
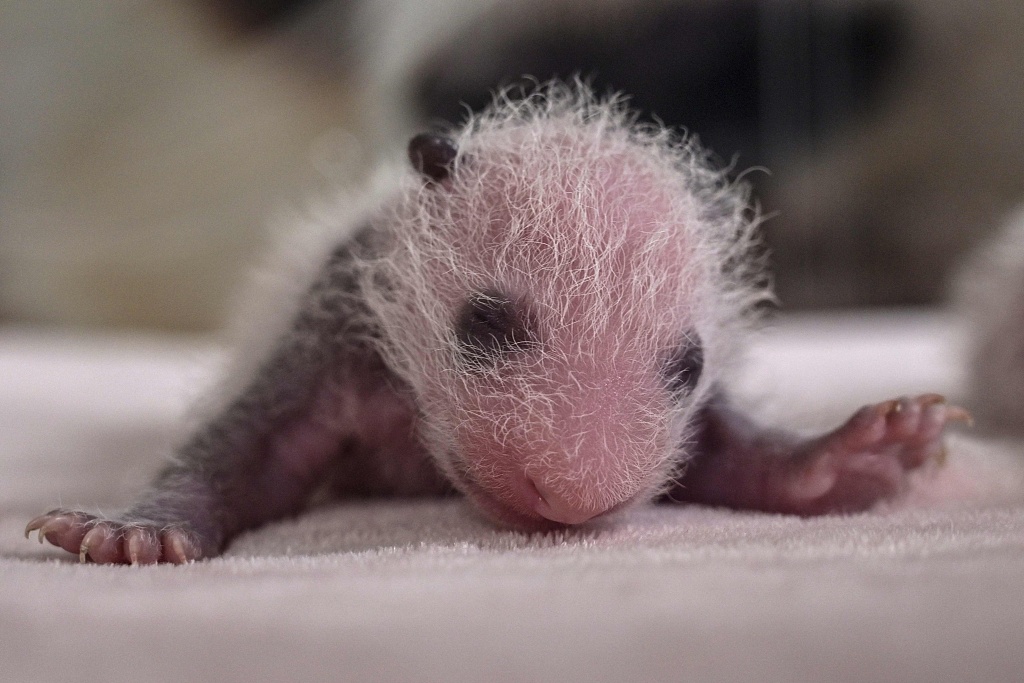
(619, 234)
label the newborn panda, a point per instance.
(537, 312)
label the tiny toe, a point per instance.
(37, 523)
(903, 419)
(927, 444)
(866, 415)
(883, 409)
(102, 544)
(65, 531)
(55, 529)
(933, 420)
(866, 427)
(179, 548)
(142, 545)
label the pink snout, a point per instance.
(551, 505)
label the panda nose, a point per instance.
(553, 506)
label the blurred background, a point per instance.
(145, 145)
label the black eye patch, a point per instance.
(490, 325)
(683, 368)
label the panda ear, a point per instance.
(432, 155)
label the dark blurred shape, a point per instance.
(752, 78)
(887, 126)
(821, 64)
(257, 16)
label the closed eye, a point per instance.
(490, 325)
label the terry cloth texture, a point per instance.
(931, 589)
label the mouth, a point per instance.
(506, 515)
(516, 518)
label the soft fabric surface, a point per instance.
(928, 590)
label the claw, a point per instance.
(55, 524)
(36, 524)
(953, 413)
(958, 414)
(106, 541)
(50, 525)
(88, 541)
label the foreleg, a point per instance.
(261, 456)
(866, 460)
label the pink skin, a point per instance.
(299, 457)
(531, 485)
(606, 433)
(522, 506)
(111, 542)
(866, 460)
(523, 475)
(521, 515)
(582, 428)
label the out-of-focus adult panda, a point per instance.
(889, 127)
(989, 296)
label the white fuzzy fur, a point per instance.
(565, 249)
(589, 274)
(269, 299)
(991, 296)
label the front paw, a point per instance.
(868, 459)
(116, 541)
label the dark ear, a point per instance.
(432, 155)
